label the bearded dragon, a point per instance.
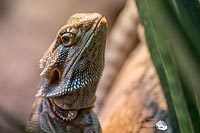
(71, 69)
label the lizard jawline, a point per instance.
(76, 58)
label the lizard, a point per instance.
(70, 71)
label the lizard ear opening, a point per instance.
(55, 77)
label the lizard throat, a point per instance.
(66, 115)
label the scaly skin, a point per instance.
(71, 69)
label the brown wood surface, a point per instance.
(136, 101)
(121, 41)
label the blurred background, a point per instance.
(27, 30)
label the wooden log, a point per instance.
(136, 101)
(121, 42)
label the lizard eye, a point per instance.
(67, 39)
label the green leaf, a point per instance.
(172, 29)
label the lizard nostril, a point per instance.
(55, 77)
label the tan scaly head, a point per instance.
(75, 59)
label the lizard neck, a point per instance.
(67, 107)
(79, 99)
(63, 114)
(66, 115)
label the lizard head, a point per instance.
(75, 59)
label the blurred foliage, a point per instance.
(172, 29)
